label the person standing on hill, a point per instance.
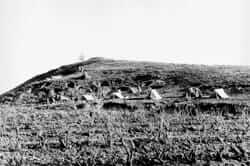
(193, 92)
(96, 88)
(51, 95)
(85, 73)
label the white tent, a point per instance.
(88, 97)
(133, 90)
(154, 95)
(221, 93)
(56, 77)
(105, 91)
(117, 94)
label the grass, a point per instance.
(121, 137)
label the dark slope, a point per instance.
(63, 70)
(118, 73)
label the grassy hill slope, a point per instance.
(118, 73)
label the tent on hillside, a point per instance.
(117, 95)
(133, 90)
(105, 91)
(88, 97)
(154, 95)
(130, 89)
(57, 77)
(221, 94)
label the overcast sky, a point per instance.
(38, 35)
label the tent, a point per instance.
(220, 93)
(56, 77)
(129, 89)
(117, 95)
(105, 91)
(133, 90)
(154, 95)
(88, 97)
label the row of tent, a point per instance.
(194, 92)
(153, 94)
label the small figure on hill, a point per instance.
(193, 92)
(51, 95)
(96, 88)
(85, 73)
(139, 89)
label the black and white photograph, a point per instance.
(125, 83)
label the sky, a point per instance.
(40, 35)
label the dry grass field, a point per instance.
(122, 137)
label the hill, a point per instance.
(170, 80)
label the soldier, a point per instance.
(193, 92)
(81, 69)
(96, 87)
(85, 73)
(51, 96)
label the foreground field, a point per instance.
(121, 137)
